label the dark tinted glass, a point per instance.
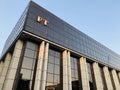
(53, 70)
(15, 32)
(74, 73)
(64, 34)
(28, 63)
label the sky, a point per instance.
(100, 19)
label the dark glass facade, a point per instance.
(27, 66)
(74, 73)
(53, 70)
(91, 84)
(15, 32)
(63, 34)
(55, 56)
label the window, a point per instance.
(27, 68)
(74, 73)
(90, 76)
(53, 70)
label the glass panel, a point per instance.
(27, 69)
(50, 68)
(56, 79)
(74, 73)
(57, 69)
(51, 59)
(53, 71)
(31, 46)
(27, 63)
(90, 77)
(26, 74)
(49, 77)
(72, 64)
(29, 53)
(57, 61)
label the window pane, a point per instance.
(56, 79)
(50, 68)
(27, 63)
(29, 53)
(26, 74)
(31, 46)
(51, 59)
(74, 74)
(57, 61)
(49, 77)
(53, 71)
(57, 69)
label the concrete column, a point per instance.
(65, 70)
(97, 76)
(1, 67)
(84, 74)
(39, 66)
(44, 72)
(119, 76)
(5, 69)
(11, 75)
(115, 80)
(69, 72)
(107, 78)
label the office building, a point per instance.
(44, 52)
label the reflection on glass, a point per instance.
(90, 76)
(50, 68)
(57, 61)
(74, 73)
(29, 53)
(27, 63)
(102, 77)
(53, 70)
(26, 74)
(27, 69)
(50, 78)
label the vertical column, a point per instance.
(107, 78)
(10, 78)
(84, 74)
(97, 76)
(39, 67)
(119, 76)
(1, 67)
(44, 72)
(65, 70)
(115, 80)
(69, 72)
(5, 69)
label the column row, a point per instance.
(40, 80)
(10, 69)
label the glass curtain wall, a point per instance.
(102, 77)
(90, 76)
(53, 70)
(27, 68)
(74, 73)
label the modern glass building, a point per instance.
(44, 52)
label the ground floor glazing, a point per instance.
(42, 66)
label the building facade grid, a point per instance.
(55, 56)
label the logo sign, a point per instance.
(42, 20)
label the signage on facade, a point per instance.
(42, 20)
